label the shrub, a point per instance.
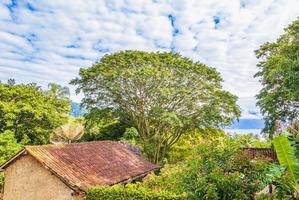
(1, 182)
(216, 170)
(219, 170)
(129, 191)
(184, 148)
(8, 145)
(169, 179)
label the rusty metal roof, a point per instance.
(268, 153)
(82, 165)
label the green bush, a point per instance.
(130, 191)
(185, 146)
(8, 145)
(218, 170)
(103, 124)
(169, 179)
(1, 182)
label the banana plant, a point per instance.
(287, 152)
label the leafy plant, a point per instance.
(1, 182)
(217, 169)
(251, 140)
(287, 158)
(130, 191)
(8, 146)
(104, 124)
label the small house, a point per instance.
(66, 171)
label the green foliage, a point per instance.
(1, 182)
(104, 124)
(214, 168)
(185, 146)
(251, 140)
(221, 171)
(275, 172)
(162, 95)
(8, 146)
(183, 149)
(217, 169)
(284, 189)
(131, 135)
(279, 72)
(287, 158)
(28, 112)
(129, 191)
(56, 91)
(170, 179)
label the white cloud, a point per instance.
(49, 40)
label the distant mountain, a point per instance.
(77, 110)
(247, 124)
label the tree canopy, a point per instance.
(29, 113)
(162, 94)
(279, 76)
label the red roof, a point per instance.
(82, 165)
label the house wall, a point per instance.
(26, 178)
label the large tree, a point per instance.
(29, 113)
(162, 94)
(279, 76)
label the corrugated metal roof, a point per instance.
(262, 152)
(82, 165)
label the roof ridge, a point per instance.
(71, 144)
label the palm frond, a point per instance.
(67, 133)
(287, 157)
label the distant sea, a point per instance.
(243, 131)
(241, 126)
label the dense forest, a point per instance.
(173, 109)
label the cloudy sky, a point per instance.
(46, 41)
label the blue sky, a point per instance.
(46, 41)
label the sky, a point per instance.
(46, 41)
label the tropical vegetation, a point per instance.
(29, 112)
(279, 72)
(163, 95)
(174, 110)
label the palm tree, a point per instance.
(67, 133)
(57, 91)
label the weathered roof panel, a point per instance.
(268, 153)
